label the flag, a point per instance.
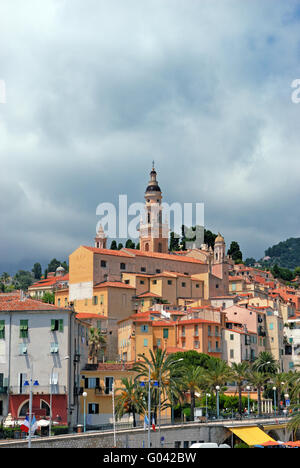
(25, 425)
(153, 424)
(146, 422)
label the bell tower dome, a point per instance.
(154, 233)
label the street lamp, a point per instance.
(84, 411)
(114, 416)
(274, 390)
(248, 388)
(142, 384)
(30, 385)
(218, 405)
(263, 364)
(207, 395)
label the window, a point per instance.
(157, 271)
(231, 337)
(166, 333)
(2, 329)
(217, 286)
(158, 342)
(196, 344)
(95, 300)
(57, 325)
(183, 284)
(197, 285)
(154, 282)
(103, 264)
(216, 331)
(23, 328)
(177, 444)
(170, 282)
(108, 385)
(231, 353)
(196, 330)
(142, 282)
(127, 282)
(122, 266)
(146, 342)
(54, 348)
(93, 408)
(144, 328)
(58, 302)
(91, 382)
(22, 348)
(271, 326)
(143, 269)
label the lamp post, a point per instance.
(218, 404)
(286, 396)
(114, 416)
(84, 411)
(207, 395)
(30, 384)
(274, 390)
(248, 388)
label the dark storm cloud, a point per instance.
(96, 90)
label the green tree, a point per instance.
(120, 246)
(113, 245)
(217, 374)
(174, 242)
(162, 371)
(37, 271)
(235, 252)
(23, 279)
(48, 298)
(258, 380)
(5, 277)
(129, 244)
(97, 343)
(53, 265)
(129, 399)
(265, 363)
(192, 379)
(240, 373)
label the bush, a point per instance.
(58, 430)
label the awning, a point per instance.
(251, 435)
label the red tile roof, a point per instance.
(85, 315)
(15, 303)
(113, 284)
(163, 256)
(148, 294)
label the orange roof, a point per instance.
(50, 281)
(113, 284)
(14, 303)
(117, 253)
(84, 315)
(195, 321)
(236, 278)
(163, 256)
(148, 294)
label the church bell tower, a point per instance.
(154, 234)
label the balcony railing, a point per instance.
(38, 390)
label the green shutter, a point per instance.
(52, 325)
(61, 325)
(2, 329)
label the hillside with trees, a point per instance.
(286, 254)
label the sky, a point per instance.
(95, 90)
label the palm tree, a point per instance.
(217, 374)
(281, 381)
(258, 380)
(96, 343)
(266, 363)
(192, 379)
(162, 371)
(240, 373)
(294, 424)
(130, 400)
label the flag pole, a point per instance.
(30, 406)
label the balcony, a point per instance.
(38, 390)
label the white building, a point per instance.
(48, 344)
